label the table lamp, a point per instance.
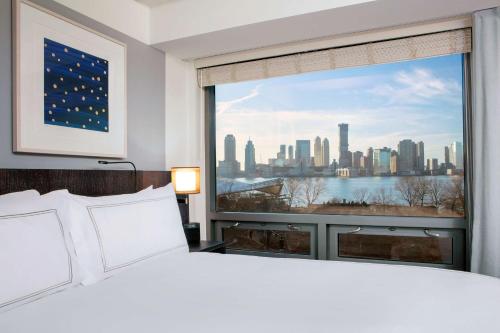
(186, 180)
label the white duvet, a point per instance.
(204, 292)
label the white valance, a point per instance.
(423, 46)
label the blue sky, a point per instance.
(383, 104)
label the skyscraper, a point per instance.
(369, 162)
(325, 156)
(407, 151)
(420, 157)
(249, 158)
(335, 165)
(382, 161)
(229, 167)
(282, 154)
(435, 164)
(447, 156)
(345, 160)
(317, 152)
(356, 159)
(290, 153)
(348, 157)
(229, 148)
(303, 152)
(457, 155)
(394, 162)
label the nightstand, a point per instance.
(208, 246)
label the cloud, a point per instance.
(354, 82)
(222, 107)
(419, 86)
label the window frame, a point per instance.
(322, 221)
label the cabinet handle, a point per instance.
(430, 234)
(292, 227)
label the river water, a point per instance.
(343, 188)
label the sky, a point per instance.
(419, 100)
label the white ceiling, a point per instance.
(127, 16)
(337, 21)
(154, 3)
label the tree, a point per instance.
(421, 190)
(455, 197)
(226, 198)
(383, 196)
(361, 194)
(436, 192)
(407, 189)
(334, 201)
(313, 188)
(293, 188)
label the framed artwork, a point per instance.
(69, 87)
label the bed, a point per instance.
(154, 285)
(206, 292)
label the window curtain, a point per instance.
(486, 142)
(409, 48)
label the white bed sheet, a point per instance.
(204, 292)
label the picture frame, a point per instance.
(69, 86)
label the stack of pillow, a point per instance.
(56, 241)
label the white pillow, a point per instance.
(116, 232)
(37, 257)
(147, 189)
(9, 199)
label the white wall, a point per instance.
(184, 127)
(127, 16)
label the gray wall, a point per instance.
(145, 99)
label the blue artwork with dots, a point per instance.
(76, 88)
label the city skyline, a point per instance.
(407, 158)
(382, 104)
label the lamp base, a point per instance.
(183, 202)
(192, 232)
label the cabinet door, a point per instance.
(412, 246)
(268, 239)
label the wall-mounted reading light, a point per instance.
(123, 162)
(119, 162)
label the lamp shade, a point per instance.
(186, 180)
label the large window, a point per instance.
(376, 140)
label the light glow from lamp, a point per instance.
(186, 180)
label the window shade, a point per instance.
(436, 44)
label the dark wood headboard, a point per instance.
(85, 182)
(82, 182)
